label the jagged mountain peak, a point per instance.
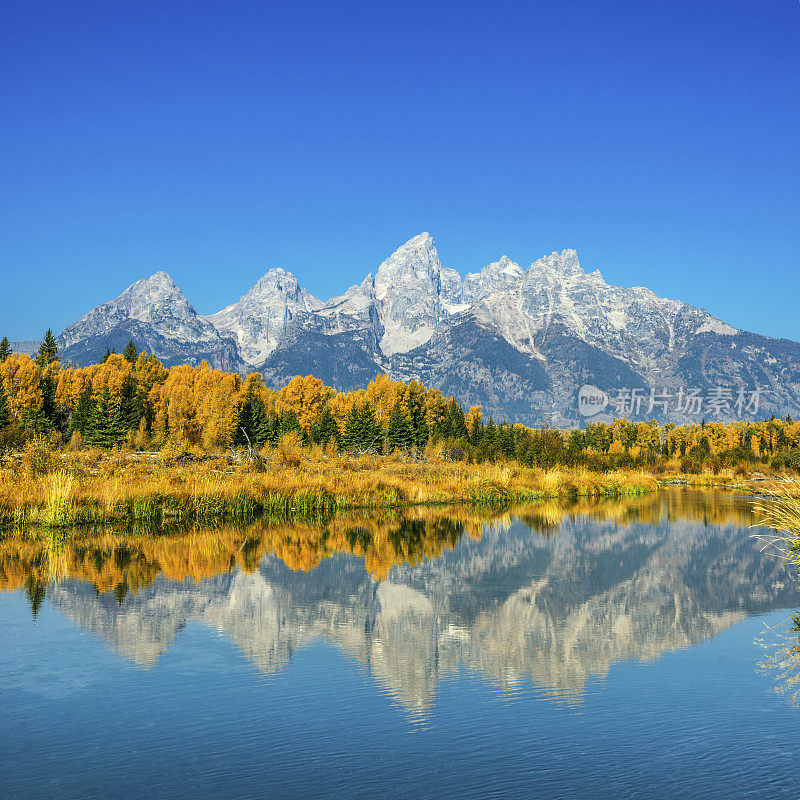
(259, 321)
(563, 264)
(407, 294)
(159, 277)
(417, 257)
(501, 275)
(156, 315)
(278, 281)
(144, 298)
(421, 240)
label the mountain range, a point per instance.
(519, 341)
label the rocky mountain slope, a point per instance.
(520, 341)
(158, 317)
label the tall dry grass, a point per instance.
(779, 510)
(287, 481)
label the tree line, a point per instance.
(131, 399)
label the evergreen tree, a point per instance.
(131, 406)
(109, 352)
(81, 415)
(253, 426)
(490, 433)
(261, 428)
(270, 428)
(326, 428)
(399, 433)
(245, 433)
(48, 350)
(476, 435)
(456, 422)
(288, 423)
(5, 349)
(130, 352)
(361, 431)
(350, 439)
(419, 426)
(505, 439)
(105, 428)
(5, 413)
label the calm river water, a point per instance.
(621, 650)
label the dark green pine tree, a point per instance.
(130, 352)
(48, 350)
(399, 433)
(245, 435)
(131, 406)
(261, 427)
(325, 428)
(371, 433)
(271, 428)
(5, 412)
(5, 349)
(490, 433)
(350, 438)
(253, 427)
(456, 423)
(105, 427)
(361, 431)
(506, 440)
(109, 352)
(48, 353)
(419, 427)
(476, 435)
(288, 422)
(82, 411)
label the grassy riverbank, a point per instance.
(89, 488)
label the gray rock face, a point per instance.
(263, 318)
(407, 287)
(520, 341)
(500, 276)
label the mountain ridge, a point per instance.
(536, 332)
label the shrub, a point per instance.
(38, 457)
(690, 466)
(290, 450)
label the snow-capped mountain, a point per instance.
(158, 317)
(261, 319)
(520, 341)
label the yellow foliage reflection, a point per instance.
(110, 559)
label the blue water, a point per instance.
(596, 661)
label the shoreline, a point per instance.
(79, 493)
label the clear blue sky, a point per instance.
(215, 139)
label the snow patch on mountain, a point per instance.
(714, 325)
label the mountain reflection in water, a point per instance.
(553, 594)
